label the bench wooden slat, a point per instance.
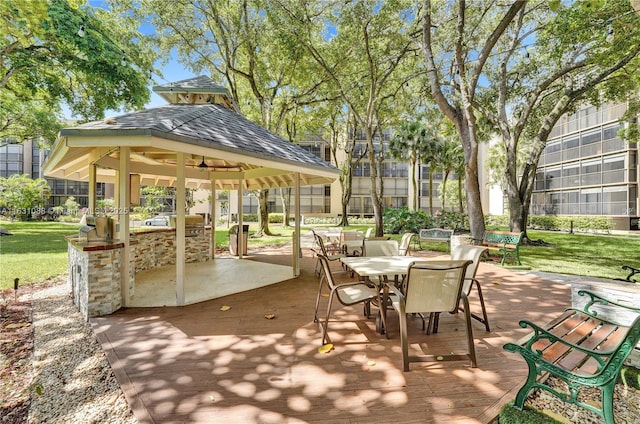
(599, 338)
(575, 335)
(559, 328)
(591, 366)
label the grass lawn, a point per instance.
(582, 254)
(37, 250)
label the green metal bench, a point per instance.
(631, 278)
(581, 349)
(505, 243)
(435, 235)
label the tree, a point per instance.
(586, 52)
(450, 156)
(363, 49)
(458, 39)
(415, 143)
(22, 196)
(244, 45)
(154, 197)
(56, 52)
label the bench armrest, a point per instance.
(597, 299)
(632, 271)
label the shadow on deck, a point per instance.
(198, 363)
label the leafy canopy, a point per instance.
(56, 52)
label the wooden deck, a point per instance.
(200, 364)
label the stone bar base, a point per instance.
(94, 267)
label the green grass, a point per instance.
(582, 254)
(38, 251)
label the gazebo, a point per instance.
(198, 140)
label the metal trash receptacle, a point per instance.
(233, 239)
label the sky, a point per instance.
(172, 71)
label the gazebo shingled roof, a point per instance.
(232, 147)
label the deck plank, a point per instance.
(199, 364)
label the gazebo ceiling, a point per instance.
(218, 143)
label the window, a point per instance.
(590, 201)
(552, 178)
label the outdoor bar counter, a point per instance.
(94, 277)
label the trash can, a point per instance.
(233, 239)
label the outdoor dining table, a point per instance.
(378, 269)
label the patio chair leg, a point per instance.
(470, 343)
(325, 327)
(315, 314)
(485, 317)
(403, 340)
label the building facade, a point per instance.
(27, 158)
(587, 169)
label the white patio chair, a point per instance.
(472, 253)
(351, 242)
(381, 248)
(405, 243)
(367, 234)
(433, 287)
(347, 293)
(320, 249)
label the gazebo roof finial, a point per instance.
(197, 90)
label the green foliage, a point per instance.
(630, 376)
(22, 196)
(579, 223)
(153, 200)
(511, 415)
(47, 63)
(402, 220)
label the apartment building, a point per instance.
(27, 158)
(325, 200)
(587, 169)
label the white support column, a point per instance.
(92, 189)
(240, 232)
(180, 242)
(212, 214)
(123, 221)
(297, 251)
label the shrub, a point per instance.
(579, 223)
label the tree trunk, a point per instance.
(285, 198)
(414, 184)
(474, 200)
(377, 186)
(263, 215)
(444, 190)
(430, 190)
(461, 204)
